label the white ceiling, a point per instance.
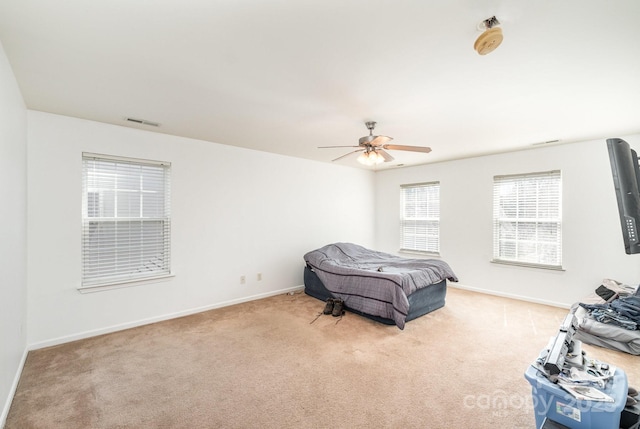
(288, 76)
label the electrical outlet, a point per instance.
(243, 280)
(259, 276)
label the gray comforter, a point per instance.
(373, 282)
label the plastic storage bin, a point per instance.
(552, 402)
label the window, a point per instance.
(527, 219)
(126, 220)
(420, 217)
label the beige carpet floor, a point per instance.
(262, 364)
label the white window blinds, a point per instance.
(527, 219)
(420, 217)
(126, 220)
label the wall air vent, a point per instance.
(143, 122)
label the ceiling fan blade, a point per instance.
(380, 140)
(407, 148)
(328, 147)
(346, 155)
(385, 155)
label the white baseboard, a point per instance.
(510, 295)
(14, 387)
(141, 322)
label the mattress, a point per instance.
(590, 331)
(608, 335)
(421, 302)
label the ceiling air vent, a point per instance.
(545, 142)
(143, 122)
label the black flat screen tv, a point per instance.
(626, 180)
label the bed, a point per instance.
(607, 334)
(383, 287)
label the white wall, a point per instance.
(592, 237)
(13, 238)
(234, 212)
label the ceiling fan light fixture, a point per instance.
(373, 149)
(370, 158)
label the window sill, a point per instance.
(124, 284)
(528, 265)
(418, 252)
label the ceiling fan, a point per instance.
(373, 148)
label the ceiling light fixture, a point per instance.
(374, 148)
(370, 158)
(491, 38)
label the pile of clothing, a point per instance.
(620, 309)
